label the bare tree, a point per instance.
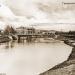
(9, 29)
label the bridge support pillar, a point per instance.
(28, 38)
(19, 39)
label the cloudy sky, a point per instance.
(25, 12)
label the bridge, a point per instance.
(30, 36)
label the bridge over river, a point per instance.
(30, 36)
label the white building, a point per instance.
(25, 30)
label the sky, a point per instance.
(28, 12)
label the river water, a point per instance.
(31, 58)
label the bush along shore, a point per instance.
(4, 39)
(65, 68)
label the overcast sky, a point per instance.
(37, 11)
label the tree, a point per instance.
(12, 30)
(9, 29)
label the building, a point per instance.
(32, 31)
(25, 30)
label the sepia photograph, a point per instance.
(37, 37)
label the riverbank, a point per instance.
(70, 42)
(65, 68)
(4, 39)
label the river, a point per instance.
(31, 58)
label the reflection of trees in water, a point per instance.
(10, 45)
(7, 45)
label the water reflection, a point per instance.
(10, 45)
(31, 58)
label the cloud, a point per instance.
(26, 12)
(5, 11)
(42, 10)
